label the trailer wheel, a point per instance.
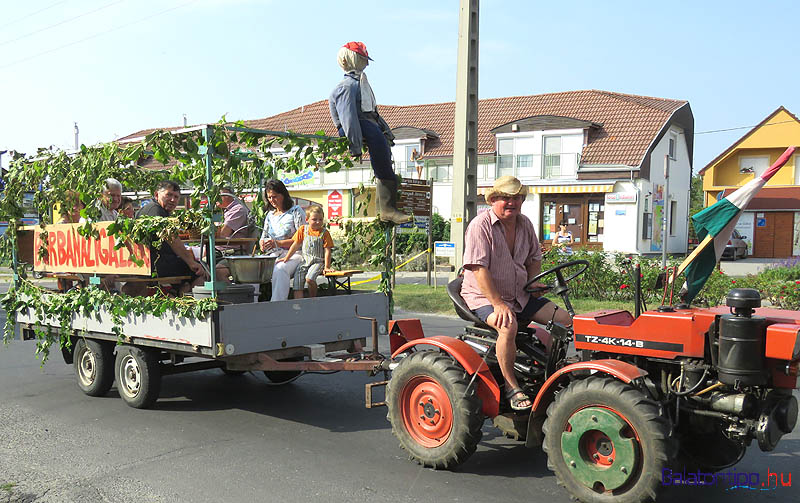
(94, 366)
(606, 441)
(434, 412)
(138, 376)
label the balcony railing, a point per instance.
(539, 166)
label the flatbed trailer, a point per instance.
(282, 338)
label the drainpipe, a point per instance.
(638, 212)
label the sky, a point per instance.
(118, 66)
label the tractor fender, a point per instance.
(488, 390)
(623, 371)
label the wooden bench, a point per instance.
(340, 280)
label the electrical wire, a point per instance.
(65, 21)
(12, 63)
(741, 127)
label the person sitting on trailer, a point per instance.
(316, 243)
(235, 216)
(501, 254)
(283, 219)
(126, 208)
(172, 258)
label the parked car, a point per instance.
(736, 247)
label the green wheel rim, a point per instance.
(600, 448)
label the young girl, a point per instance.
(316, 243)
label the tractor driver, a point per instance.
(501, 254)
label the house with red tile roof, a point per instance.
(594, 159)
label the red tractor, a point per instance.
(675, 387)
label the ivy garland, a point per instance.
(241, 158)
(46, 306)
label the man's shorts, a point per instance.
(523, 318)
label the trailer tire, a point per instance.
(284, 376)
(434, 411)
(606, 441)
(94, 366)
(138, 376)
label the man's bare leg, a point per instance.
(506, 350)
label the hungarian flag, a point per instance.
(714, 226)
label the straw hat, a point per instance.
(505, 186)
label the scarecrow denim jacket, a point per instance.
(345, 106)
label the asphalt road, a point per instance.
(217, 438)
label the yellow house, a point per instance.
(770, 224)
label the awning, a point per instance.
(562, 189)
(572, 189)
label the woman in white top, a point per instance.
(282, 221)
(563, 240)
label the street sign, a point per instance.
(415, 197)
(334, 205)
(444, 248)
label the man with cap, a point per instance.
(501, 254)
(355, 114)
(234, 215)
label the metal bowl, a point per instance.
(247, 269)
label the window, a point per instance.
(753, 165)
(797, 170)
(647, 226)
(552, 157)
(673, 210)
(673, 146)
(505, 157)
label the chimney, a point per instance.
(77, 143)
(185, 123)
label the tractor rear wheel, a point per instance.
(434, 411)
(606, 441)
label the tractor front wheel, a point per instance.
(606, 441)
(434, 411)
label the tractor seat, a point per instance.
(454, 291)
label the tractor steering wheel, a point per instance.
(559, 287)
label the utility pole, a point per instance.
(465, 142)
(667, 216)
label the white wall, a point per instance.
(679, 183)
(620, 233)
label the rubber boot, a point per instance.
(386, 191)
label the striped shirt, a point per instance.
(485, 245)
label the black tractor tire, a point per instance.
(94, 366)
(433, 410)
(138, 376)
(607, 442)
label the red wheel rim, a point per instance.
(599, 447)
(427, 412)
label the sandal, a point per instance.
(515, 397)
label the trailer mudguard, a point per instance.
(402, 331)
(625, 372)
(488, 390)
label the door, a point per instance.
(773, 234)
(784, 225)
(763, 236)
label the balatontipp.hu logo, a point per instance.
(731, 479)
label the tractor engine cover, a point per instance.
(742, 344)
